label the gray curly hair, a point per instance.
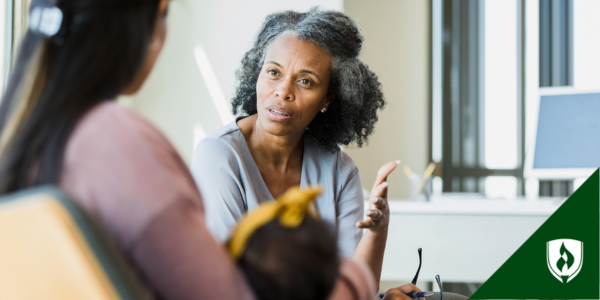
(355, 89)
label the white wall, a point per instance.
(176, 97)
(397, 34)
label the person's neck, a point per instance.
(278, 152)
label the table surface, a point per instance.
(464, 238)
(476, 206)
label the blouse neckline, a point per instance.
(250, 163)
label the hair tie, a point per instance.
(49, 22)
(45, 21)
(291, 209)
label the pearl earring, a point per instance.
(323, 110)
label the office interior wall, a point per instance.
(176, 96)
(397, 48)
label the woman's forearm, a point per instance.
(372, 245)
(370, 250)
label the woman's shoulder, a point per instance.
(120, 138)
(116, 161)
(111, 121)
(226, 143)
(111, 130)
(226, 132)
(340, 160)
(346, 164)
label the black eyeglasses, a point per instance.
(437, 277)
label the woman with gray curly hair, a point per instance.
(305, 92)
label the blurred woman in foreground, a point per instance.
(60, 125)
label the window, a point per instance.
(3, 38)
(13, 26)
(479, 86)
(489, 58)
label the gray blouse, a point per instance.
(231, 184)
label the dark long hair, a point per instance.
(55, 81)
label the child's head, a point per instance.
(288, 258)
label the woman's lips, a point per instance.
(278, 113)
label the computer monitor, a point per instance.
(566, 144)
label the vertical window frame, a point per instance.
(456, 83)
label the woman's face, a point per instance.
(292, 85)
(158, 39)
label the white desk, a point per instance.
(462, 240)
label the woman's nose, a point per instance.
(285, 91)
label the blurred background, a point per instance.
(462, 80)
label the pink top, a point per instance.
(126, 174)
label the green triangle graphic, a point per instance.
(527, 275)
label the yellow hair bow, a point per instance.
(290, 208)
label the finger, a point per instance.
(380, 190)
(382, 205)
(365, 224)
(401, 296)
(384, 171)
(374, 214)
(396, 294)
(378, 193)
(407, 288)
(379, 203)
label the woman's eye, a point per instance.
(305, 81)
(272, 72)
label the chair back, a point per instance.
(50, 249)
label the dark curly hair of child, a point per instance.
(299, 263)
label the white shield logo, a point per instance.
(564, 258)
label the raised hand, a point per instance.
(378, 214)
